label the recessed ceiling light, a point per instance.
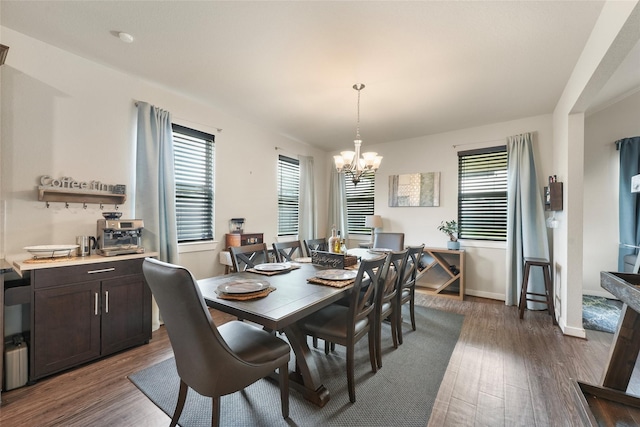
(126, 37)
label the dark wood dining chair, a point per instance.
(393, 241)
(315, 245)
(387, 298)
(346, 325)
(287, 251)
(248, 256)
(213, 361)
(407, 290)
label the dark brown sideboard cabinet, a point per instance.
(83, 312)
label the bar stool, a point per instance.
(548, 295)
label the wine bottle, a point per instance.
(332, 240)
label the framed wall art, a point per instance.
(415, 189)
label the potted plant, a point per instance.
(451, 229)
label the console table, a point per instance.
(444, 270)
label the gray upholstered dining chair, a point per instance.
(346, 325)
(287, 251)
(393, 241)
(248, 256)
(315, 245)
(387, 298)
(407, 290)
(213, 361)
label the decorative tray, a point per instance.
(51, 251)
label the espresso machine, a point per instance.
(117, 236)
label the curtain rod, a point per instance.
(286, 151)
(475, 143)
(189, 121)
(488, 141)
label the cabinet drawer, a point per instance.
(49, 277)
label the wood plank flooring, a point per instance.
(503, 372)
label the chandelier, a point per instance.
(349, 162)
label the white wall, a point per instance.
(612, 38)
(602, 166)
(485, 262)
(63, 115)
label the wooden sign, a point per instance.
(333, 260)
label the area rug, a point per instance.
(600, 313)
(402, 392)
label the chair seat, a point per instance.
(330, 323)
(253, 344)
(386, 307)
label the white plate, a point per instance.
(243, 286)
(303, 259)
(380, 250)
(51, 251)
(273, 266)
(336, 274)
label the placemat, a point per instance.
(244, 297)
(333, 283)
(48, 260)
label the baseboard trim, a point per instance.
(488, 295)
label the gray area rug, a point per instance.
(600, 313)
(402, 393)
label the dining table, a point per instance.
(293, 299)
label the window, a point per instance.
(482, 194)
(193, 160)
(288, 195)
(360, 200)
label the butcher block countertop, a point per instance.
(34, 264)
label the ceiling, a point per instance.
(428, 66)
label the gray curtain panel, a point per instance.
(307, 214)
(526, 229)
(337, 205)
(629, 209)
(155, 182)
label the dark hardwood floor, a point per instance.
(504, 372)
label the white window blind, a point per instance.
(482, 194)
(193, 160)
(288, 195)
(360, 202)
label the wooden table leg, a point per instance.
(624, 351)
(306, 378)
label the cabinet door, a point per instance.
(66, 329)
(126, 313)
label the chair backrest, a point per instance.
(248, 256)
(393, 241)
(315, 245)
(392, 276)
(286, 251)
(412, 265)
(363, 294)
(203, 359)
